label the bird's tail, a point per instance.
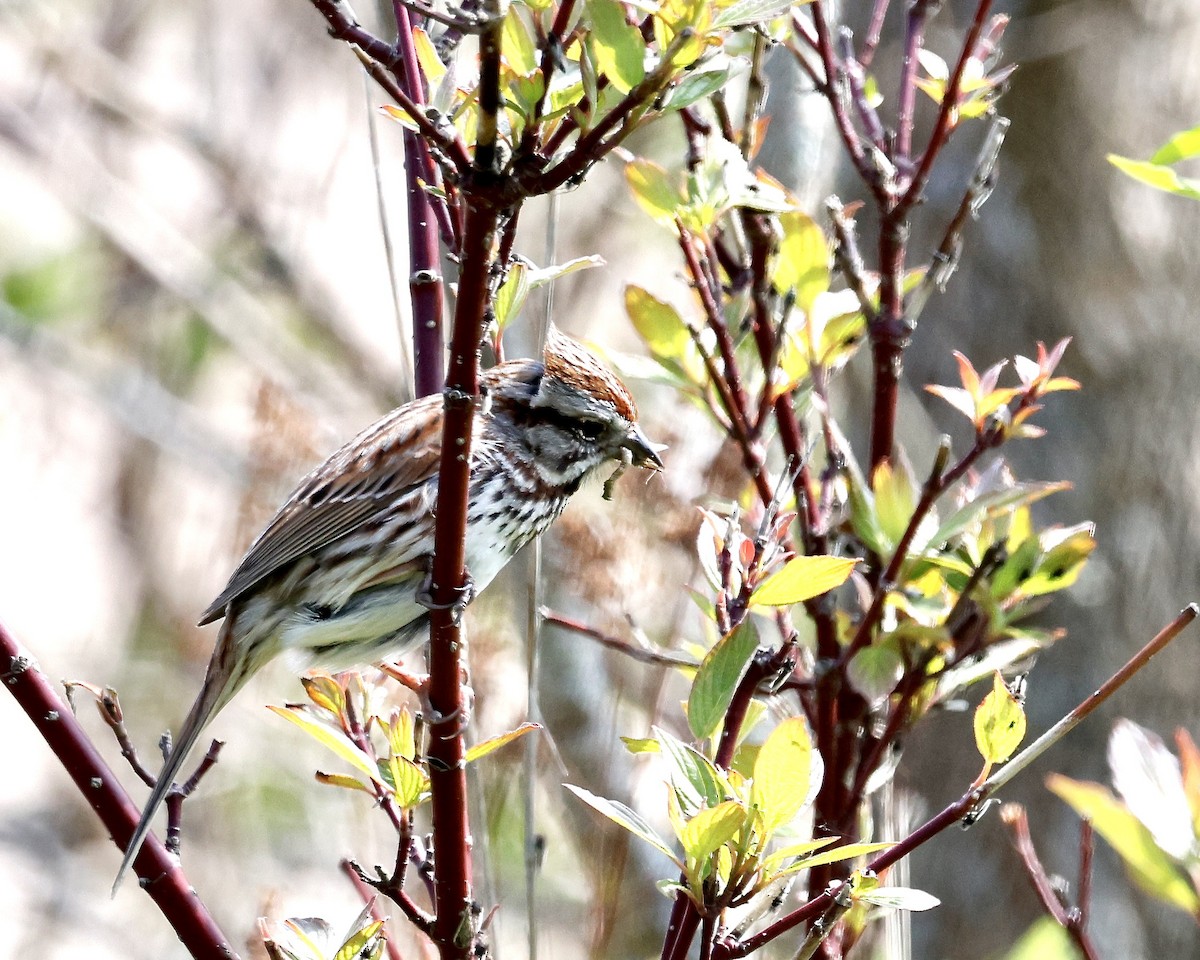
(225, 676)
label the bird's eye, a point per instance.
(590, 429)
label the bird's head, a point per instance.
(577, 414)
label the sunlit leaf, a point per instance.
(1044, 940)
(484, 747)
(992, 504)
(659, 323)
(1149, 779)
(517, 44)
(1062, 563)
(344, 781)
(802, 578)
(1157, 176)
(637, 745)
(1182, 146)
(334, 740)
(895, 498)
(365, 944)
(709, 829)
(618, 44)
(900, 898)
(874, 672)
(511, 296)
(622, 815)
(787, 774)
(802, 263)
(743, 12)
(654, 189)
(693, 776)
(720, 672)
(1149, 865)
(850, 851)
(999, 723)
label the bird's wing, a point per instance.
(364, 478)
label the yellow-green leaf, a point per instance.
(659, 323)
(802, 578)
(787, 774)
(622, 815)
(517, 44)
(1157, 176)
(654, 189)
(999, 723)
(618, 45)
(717, 677)
(838, 854)
(334, 740)
(484, 747)
(710, 828)
(803, 261)
(1151, 868)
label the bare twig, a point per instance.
(161, 875)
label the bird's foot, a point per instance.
(462, 596)
(418, 683)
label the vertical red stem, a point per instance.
(454, 924)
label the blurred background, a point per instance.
(195, 308)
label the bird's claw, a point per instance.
(462, 596)
(419, 685)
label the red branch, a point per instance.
(160, 874)
(447, 764)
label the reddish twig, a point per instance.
(160, 874)
(454, 924)
(1069, 918)
(972, 802)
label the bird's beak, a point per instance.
(645, 453)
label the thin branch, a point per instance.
(363, 887)
(161, 875)
(971, 802)
(643, 654)
(1014, 817)
(942, 128)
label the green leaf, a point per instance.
(1182, 146)
(334, 740)
(540, 276)
(704, 81)
(895, 499)
(618, 45)
(848, 852)
(1157, 176)
(1044, 940)
(787, 774)
(623, 816)
(519, 50)
(408, 780)
(718, 676)
(999, 723)
(803, 261)
(655, 190)
(511, 296)
(874, 672)
(992, 504)
(792, 851)
(659, 323)
(1149, 865)
(637, 745)
(695, 779)
(344, 781)
(744, 12)
(1062, 563)
(900, 898)
(711, 828)
(484, 747)
(802, 578)
(366, 944)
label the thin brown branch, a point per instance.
(160, 874)
(971, 803)
(658, 658)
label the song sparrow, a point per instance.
(338, 574)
